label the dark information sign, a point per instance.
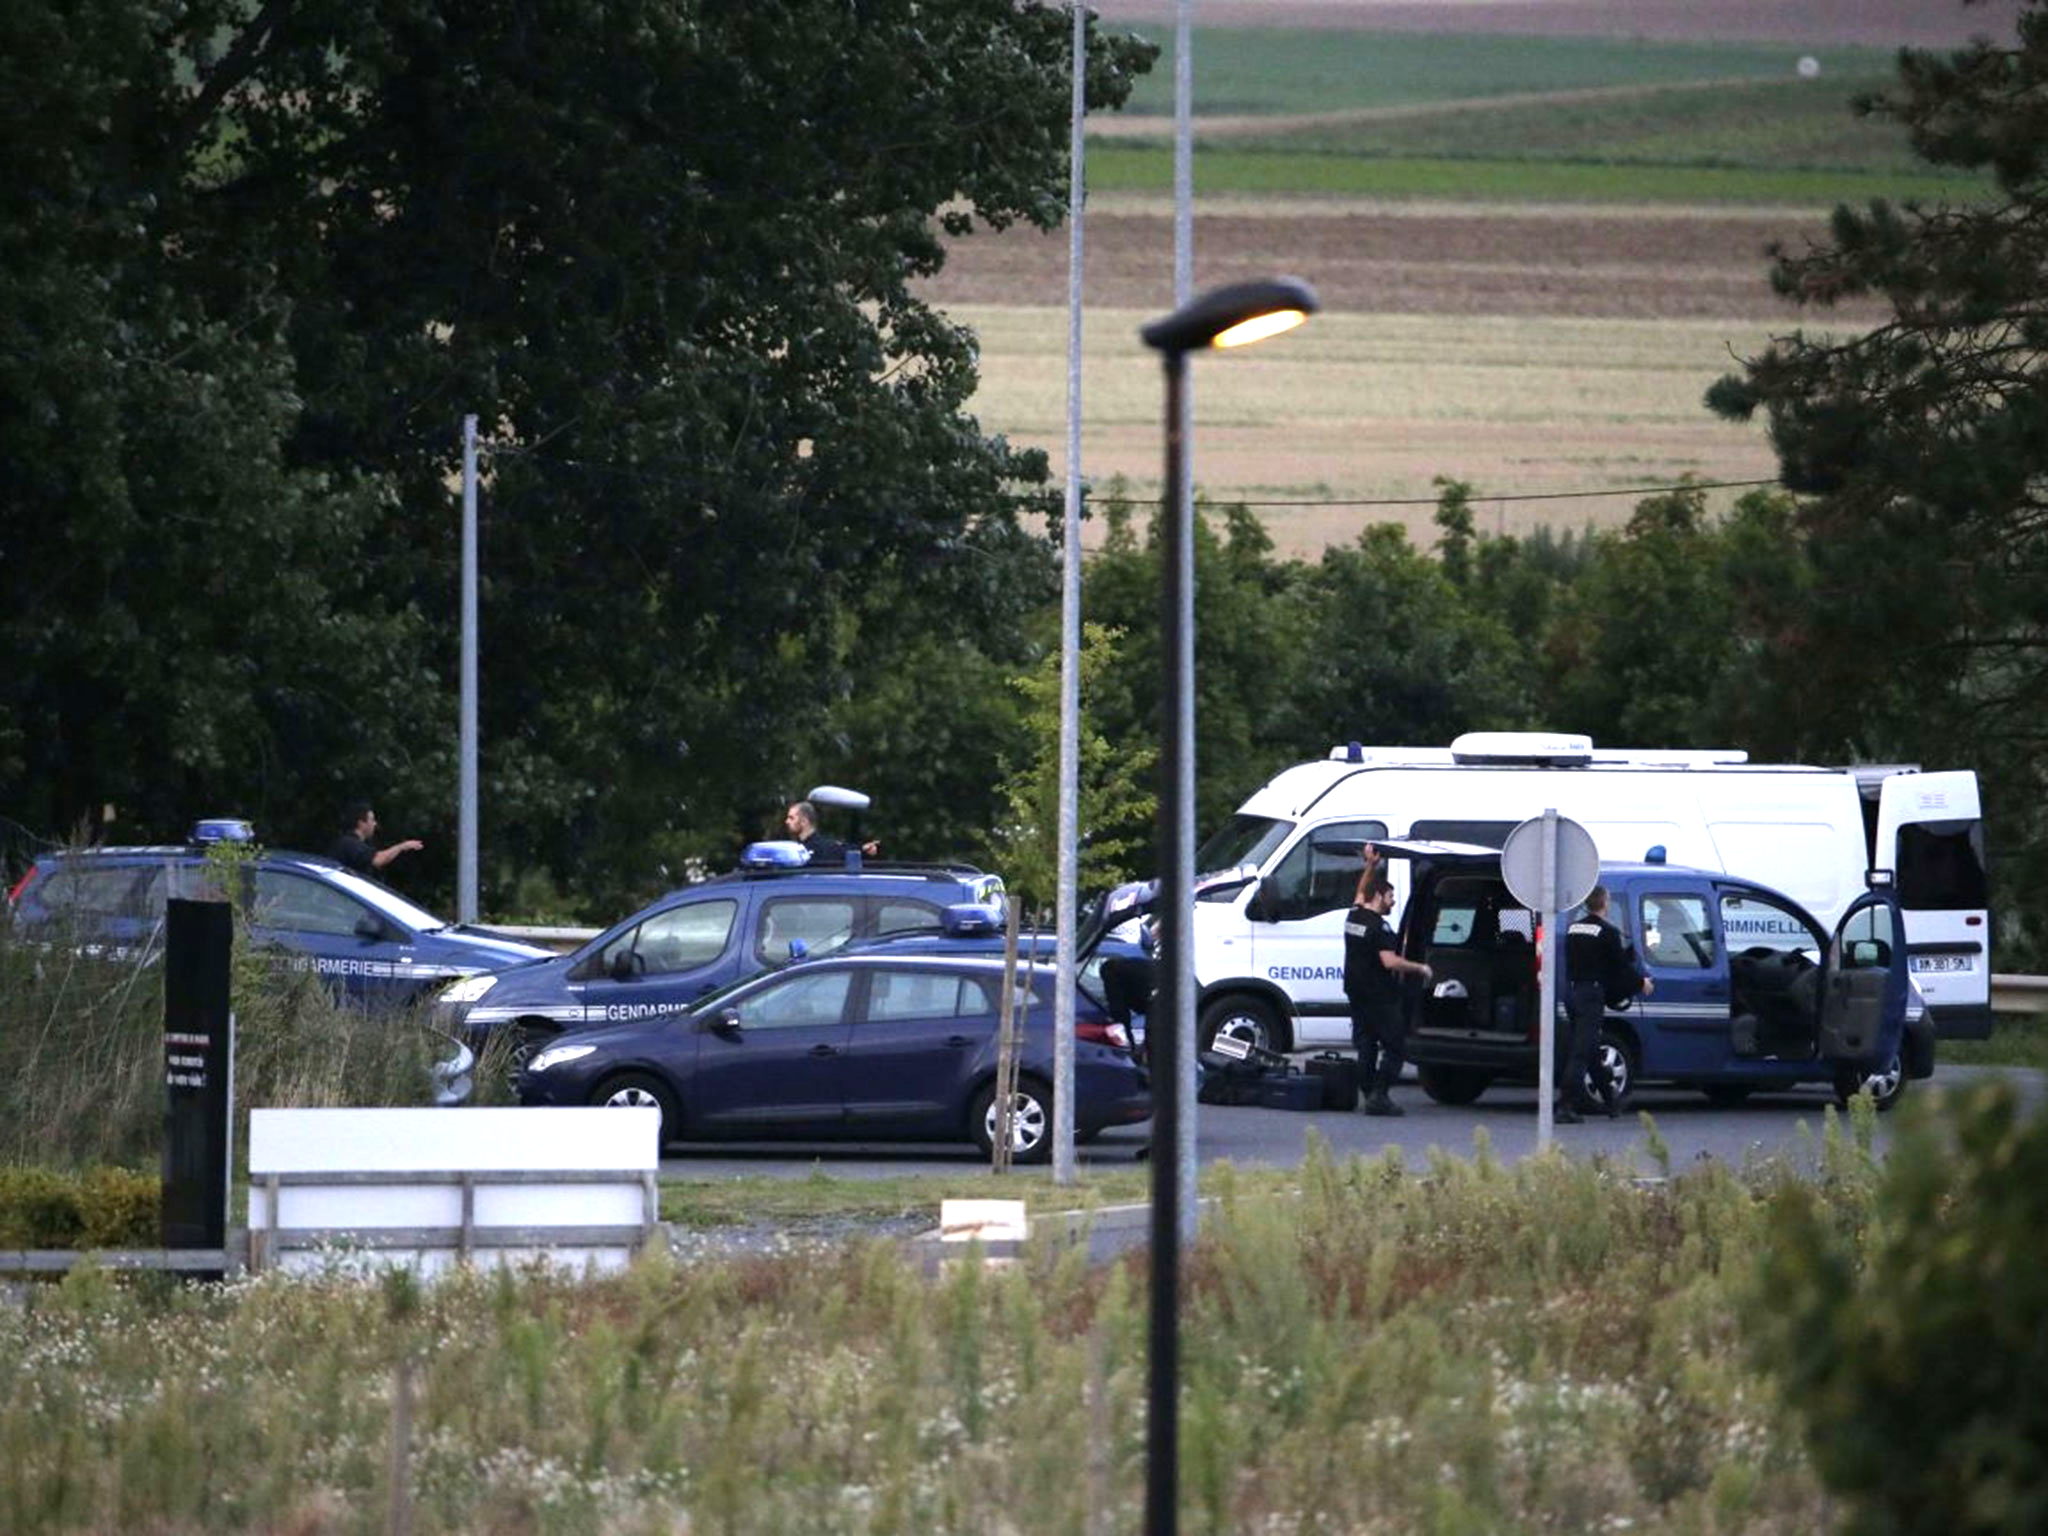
(199, 1073)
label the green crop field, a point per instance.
(1141, 168)
(1263, 72)
(1356, 114)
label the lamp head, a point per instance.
(1234, 315)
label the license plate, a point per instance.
(1941, 962)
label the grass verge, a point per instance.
(1464, 1347)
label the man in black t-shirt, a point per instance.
(354, 849)
(1373, 967)
(801, 819)
(1600, 968)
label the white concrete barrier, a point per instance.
(433, 1187)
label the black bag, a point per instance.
(1339, 1076)
(1289, 1089)
(1220, 1081)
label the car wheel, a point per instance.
(1618, 1055)
(1728, 1095)
(1030, 1121)
(1240, 1018)
(638, 1090)
(1453, 1085)
(1886, 1085)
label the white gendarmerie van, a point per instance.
(1269, 949)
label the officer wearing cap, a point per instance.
(1600, 968)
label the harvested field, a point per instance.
(1532, 352)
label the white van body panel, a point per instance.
(1798, 829)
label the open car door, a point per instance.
(1863, 982)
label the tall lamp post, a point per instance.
(1231, 316)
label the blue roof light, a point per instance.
(774, 855)
(222, 829)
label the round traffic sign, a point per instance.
(1574, 864)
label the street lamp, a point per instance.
(1231, 316)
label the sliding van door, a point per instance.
(1930, 834)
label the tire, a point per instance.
(1624, 1067)
(1728, 1095)
(1453, 1085)
(1247, 1018)
(633, 1090)
(1887, 1085)
(1030, 1121)
(521, 1043)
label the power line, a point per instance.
(1434, 501)
(655, 473)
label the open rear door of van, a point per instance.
(1930, 834)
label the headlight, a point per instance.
(556, 1055)
(468, 990)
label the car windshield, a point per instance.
(1242, 840)
(385, 900)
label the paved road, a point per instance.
(1770, 1125)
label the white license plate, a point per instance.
(1941, 962)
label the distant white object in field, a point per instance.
(1808, 66)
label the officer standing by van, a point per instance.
(1373, 967)
(1600, 968)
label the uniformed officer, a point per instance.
(1600, 968)
(1373, 966)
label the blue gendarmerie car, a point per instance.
(870, 1046)
(1751, 992)
(775, 909)
(366, 941)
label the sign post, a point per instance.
(199, 1074)
(1550, 865)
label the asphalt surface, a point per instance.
(1786, 1126)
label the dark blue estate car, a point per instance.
(364, 939)
(766, 914)
(873, 1046)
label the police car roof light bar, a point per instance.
(222, 829)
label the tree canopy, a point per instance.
(268, 256)
(1920, 442)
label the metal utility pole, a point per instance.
(1068, 901)
(465, 834)
(1180, 757)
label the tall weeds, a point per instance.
(81, 1050)
(1462, 1348)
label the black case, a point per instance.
(1339, 1075)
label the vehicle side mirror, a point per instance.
(627, 964)
(369, 928)
(725, 1024)
(1264, 906)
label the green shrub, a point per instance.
(102, 1208)
(1914, 1344)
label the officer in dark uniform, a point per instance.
(1373, 966)
(1600, 968)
